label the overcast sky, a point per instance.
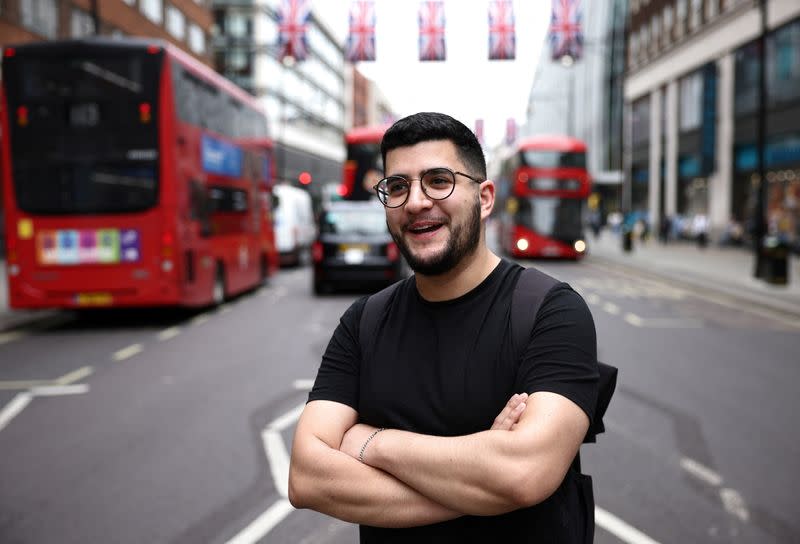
(467, 85)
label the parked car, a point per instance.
(354, 248)
(294, 223)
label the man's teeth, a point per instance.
(425, 229)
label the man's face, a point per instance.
(434, 235)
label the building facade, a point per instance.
(692, 109)
(583, 98)
(305, 100)
(185, 23)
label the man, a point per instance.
(435, 433)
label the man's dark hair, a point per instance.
(428, 126)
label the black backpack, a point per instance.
(529, 292)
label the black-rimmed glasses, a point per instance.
(437, 184)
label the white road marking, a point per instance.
(59, 390)
(285, 421)
(611, 308)
(13, 408)
(663, 322)
(303, 385)
(278, 458)
(200, 319)
(264, 523)
(620, 529)
(224, 309)
(6, 337)
(74, 376)
(592, 298)
(633, 319)
(170, 333)
(734, 503)
(127, 353)
(701, 472)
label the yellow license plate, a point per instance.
(360, 247)
(94, 299)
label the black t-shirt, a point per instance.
(447, 369)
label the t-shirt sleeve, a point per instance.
(561, 356)
(338, 374)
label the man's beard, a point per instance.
(463, 241)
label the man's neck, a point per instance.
(462, 279)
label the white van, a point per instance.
(295, 228)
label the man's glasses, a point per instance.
(437, 184)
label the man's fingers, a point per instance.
(511, 412)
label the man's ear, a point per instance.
(487, 198)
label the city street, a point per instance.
(165, 426)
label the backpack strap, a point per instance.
(531, 288)
(371, 315)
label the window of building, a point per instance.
(40, 16)
(668, 24)
(712, 8)
(153, 10)
(176, 22)
(655, 31)
(695, 17)
(81, 24)
(690, 115)
(130, 2)
(238, 25)
(197, 39)
(680, 18)
(640, 121)
(746, 68)
(783, 63)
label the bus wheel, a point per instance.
(263, 270)
(218, 295)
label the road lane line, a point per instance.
(592, 298)
(7, 337)
(303, 385)
(278, 459)
(283, 422)
(620, 529)
(13, 408)
(611, 308)
(633, 319)
(263, 524)
(734, 503)
(21, 384)
(200, 319)
(59, 390)
(701, 472)
(74, 376)
(127, 353)
(169, 334)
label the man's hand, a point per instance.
(357, 435)
(507, 419)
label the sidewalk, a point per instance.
(723, 270)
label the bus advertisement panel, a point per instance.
(542, 190)
(363, 167)
(133, 175)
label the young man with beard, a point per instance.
(433, 432)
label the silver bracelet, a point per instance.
(364, 447)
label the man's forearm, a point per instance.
(479, 474)
(332, 482)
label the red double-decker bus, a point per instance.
(133, 175)
(542, 190)
(363, 167)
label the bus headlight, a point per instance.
(580, 246)
(166, 265)
(522, 244)
(13, 270)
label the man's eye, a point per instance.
(396, 186)
(439, 181)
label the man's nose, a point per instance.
(417, 199)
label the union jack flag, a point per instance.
(566, 38)
(361, 40)
(293, 18)
(431, 30)
(502, 40)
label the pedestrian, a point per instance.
(431, 432)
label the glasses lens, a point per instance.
(393, 191)
(438, 183)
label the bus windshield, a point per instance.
(553, 217)
(84, 133)
(554, 159)
(365, 166)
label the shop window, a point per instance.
(40, 16)
(81, 24)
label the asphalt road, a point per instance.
(173, 427)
